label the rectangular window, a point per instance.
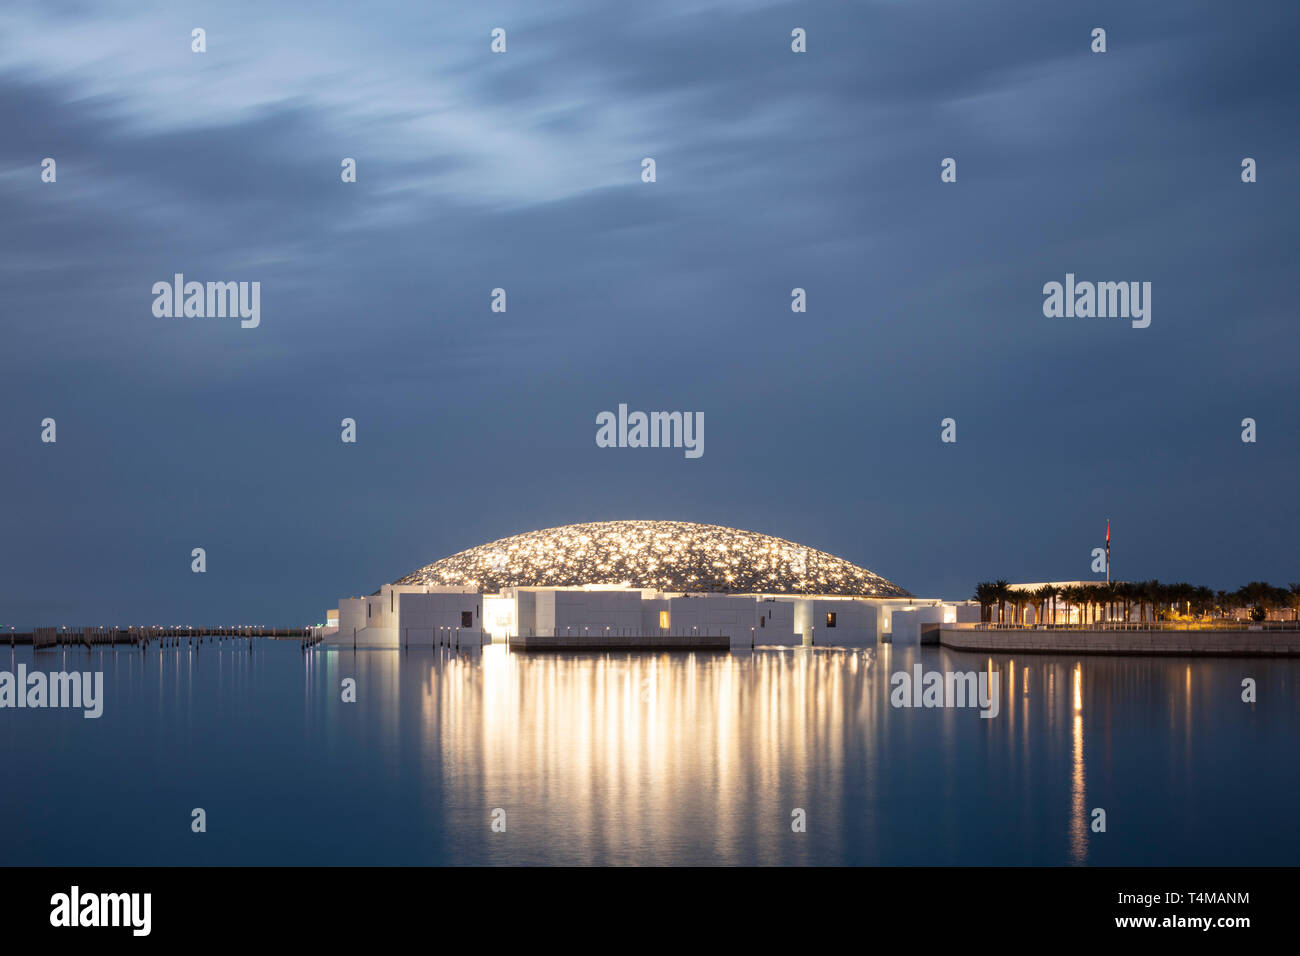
(830, 618)
(466, 618)
(367, 609)
(762, 621)
(663, 619)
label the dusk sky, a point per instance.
(522, 170)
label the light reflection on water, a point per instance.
(649, 758)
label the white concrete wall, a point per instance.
(803, 622)
(376, 606)
(352, 614)
(714, 614)
(778, 620)
(620, 611)
(362, 636)
(774, 623)
(650, 610)
(907, 623)
(855, 623)
(367, 637)
(421, 615)
(544, 611)
(525, 612)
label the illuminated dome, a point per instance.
(675, 556)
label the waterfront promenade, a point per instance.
(1230, 639)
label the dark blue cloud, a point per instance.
(522, 171)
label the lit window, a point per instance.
(830, 618)
(663, 619)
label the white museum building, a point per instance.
(638, 584)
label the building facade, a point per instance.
(630, 581)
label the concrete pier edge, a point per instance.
(1166, 643)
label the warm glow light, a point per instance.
(499, 617)
(660, 555)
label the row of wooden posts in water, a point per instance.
(45, 637)
(162, 636)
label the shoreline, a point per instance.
(1148, 643)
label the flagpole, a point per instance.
(1108, 551)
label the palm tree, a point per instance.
(1153, 593)
(986, 592)
(1279, 598)
(1203, 600)
(1002, 591)
(1124, 595)
(1083, 599)
(1077, 595)
(1236, 602)
(1100, 600)
(1096, 602)
(1109, 595)
(1258, 596)
(1042, 595)
(1065, 594)
(1224, 601)
(1019, 598)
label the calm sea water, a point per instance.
(648, 758)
